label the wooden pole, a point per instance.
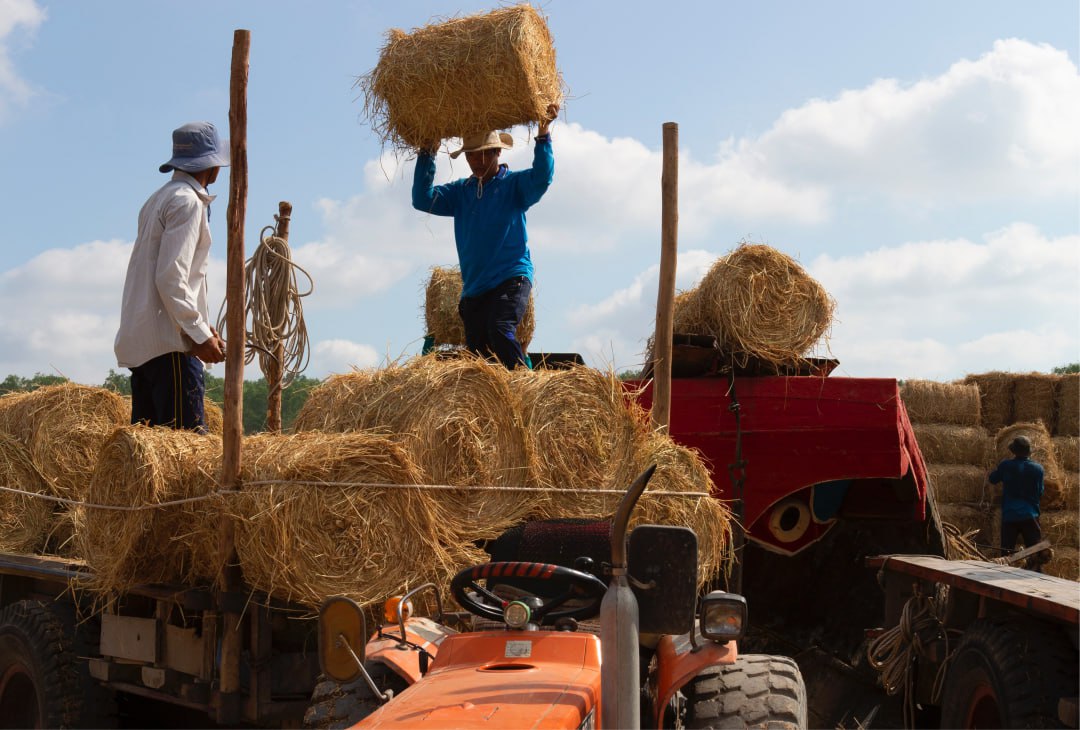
(665, 296)
(273, 368)
(232, 640)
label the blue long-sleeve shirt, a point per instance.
(489, 221)
(1023, 488)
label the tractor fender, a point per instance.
(678, 662)
(403, 658)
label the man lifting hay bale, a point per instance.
(471, 77)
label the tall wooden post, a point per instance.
(232, 640)
(665, 296)
(274, 366)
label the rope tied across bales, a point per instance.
(757, 302)
(441, 316)
(24, 521)
(305, 542)
(462, 76)
(138, 466)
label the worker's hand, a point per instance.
(211, 351)
(552, 114)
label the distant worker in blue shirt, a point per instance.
(1020, 496)
(489, 229)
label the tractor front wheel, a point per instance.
(757, 690)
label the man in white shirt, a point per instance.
(165, 334)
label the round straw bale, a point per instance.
(931, 402)
(971, 518)
(760, 302)
(1068, 406)
(1067, 452)
(1042, 448)
(305, 542)
(441, 315)
(996, 400)
(1035, 398)
(25, 520)
(959, 483)
(581, 420)
(689, 315)
(461, 76)
(215, 419)
(944, 444)
(1061, 527)
(144, 467)
(1064, 564)
(64, 427)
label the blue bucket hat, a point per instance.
(197, 147)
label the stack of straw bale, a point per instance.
(462, 76)
(25, 521)
(1035, 399)
(996, 398)
(441, 316)
(944, 403)
(757, 302)
(330, 523)
(63, 428)
(142, 467)
(1068, 406)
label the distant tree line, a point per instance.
(255, 394)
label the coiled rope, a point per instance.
(895, 652)
(274, 311)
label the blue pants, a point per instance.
(491, 320)
(1028, 528)
(169, 391)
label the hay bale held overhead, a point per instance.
(441, 316)
(461, 76)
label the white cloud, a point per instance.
(15, 15)
(340, 356)
(1002, 125)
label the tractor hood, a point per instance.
(502, 679)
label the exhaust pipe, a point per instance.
(620, 690)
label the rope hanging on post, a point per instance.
(275, 313)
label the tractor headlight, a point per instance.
(516, 614)
(723, 616)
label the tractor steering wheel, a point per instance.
(487, 605)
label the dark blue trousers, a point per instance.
(491, 320)
(169, 391)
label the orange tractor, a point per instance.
(619, 642)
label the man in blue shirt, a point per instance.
(1020, 496)
(489, 229)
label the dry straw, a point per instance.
(1070, 490)
(949, 403)
(996, 398)
(25, 521)
(1035, 398)
(1067, 452)
(1068, 406)
(944, 444)
(441, 316)
(461, 76)
(456, 418)
(967, 518)
(959, 483)
(1061, 527)
(142, 467)
(1064, 564)
(583, 425)
(308, 540)
(64, 427)
(759, 302)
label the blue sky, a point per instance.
(920, 159)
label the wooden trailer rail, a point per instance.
(1033, 593)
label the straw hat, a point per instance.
(484, 141)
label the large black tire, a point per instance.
(757, 691)
(43, 682)
(335, 706)
(1008, 673)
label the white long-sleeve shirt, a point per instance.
(164, 305)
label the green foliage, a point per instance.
(630, 375)
(255, 400)
(17, 384)
(1073, 367)
(118, 382)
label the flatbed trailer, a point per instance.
(85, 660)
(997, 645)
